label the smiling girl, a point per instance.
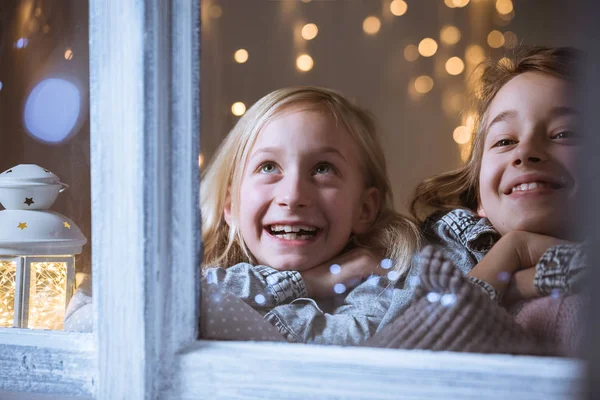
(506, 220)
(296, 208)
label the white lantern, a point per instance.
(37, 250)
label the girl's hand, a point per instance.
(515, 251)
(521, 286)
(354, 266)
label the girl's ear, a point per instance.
(369, 208)
(227, 208)
(481, 211)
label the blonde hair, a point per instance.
(460, 188)
(393, 235)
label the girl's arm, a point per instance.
(515, 251)
(366, 309)
(560, 269)
(259, 286)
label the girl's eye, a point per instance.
(268, 168)
(322, 169)
(504, 142)
(565, 135)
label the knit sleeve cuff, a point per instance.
(285, 286)
(495, 295)
(561, 268)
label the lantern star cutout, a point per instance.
(29, 201)
(22, 225)
(67, 225)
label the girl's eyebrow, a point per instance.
(321, 150)
(503, 116)
(562, 111)
(554, 113)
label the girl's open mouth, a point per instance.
(292, 232)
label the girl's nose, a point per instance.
(530, 151)
(293, 192)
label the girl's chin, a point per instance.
(293, 264)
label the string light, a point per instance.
(428, 47)
(504, 7)
(461, 134)
(215, 11)
(8, 276)
(398, 7)
(47, 295)
(454, 66)
(459, 3)
(474, 54)
(304, 62)
(450, 35)
(449, 3)
(371, 25)
(200, 160)
(68, 54)
(241, 56)
(309, 31)
(423, 84)
(411, 52)
(495, 39)
(238, 108)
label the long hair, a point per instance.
(460, 188)
(393, 235)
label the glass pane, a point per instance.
(273, 197)
(8, 278)
(47, 294)
(44, 146)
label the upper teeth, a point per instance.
(292, 228)
(530, 186)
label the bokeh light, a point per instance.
(460, 3)
(241, 56)
(371, 25)
(423, 84)
(52, 110)
(495, 39)
(455, 66)
(462, 134)
(310, 31)
(504, 7)
(450, 35)
(398, 7)
(411, 52)
(238, 108)
(304, 62)
(215, 11)
(339, 288)
(474, 54)
(427, 47)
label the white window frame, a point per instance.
(144, 84)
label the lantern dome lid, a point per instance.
(27, 174)
(32, 232)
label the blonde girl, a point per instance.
(297, 208)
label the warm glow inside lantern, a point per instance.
(37, 250)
